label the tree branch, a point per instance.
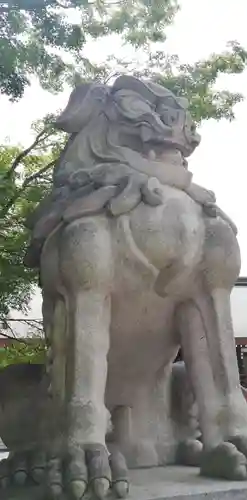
(25, 184)
(61, 5)
(34, 323)
(24, 153)
(23, 319)
(29, 5)
(38, 174)
(6, 336)
(7, 5)
(31, 322)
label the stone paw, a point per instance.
(189, 453)
(86, 469)
(226, 461)
(22, 468)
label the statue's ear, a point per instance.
(70, 118)
(149, 90)
(85, 100)
(184, 103)
(128, 82)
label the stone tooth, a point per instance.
(152, 155)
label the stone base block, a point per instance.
(169, 483)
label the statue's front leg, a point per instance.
(87, 414)
(86, 265)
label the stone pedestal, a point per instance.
(177, 483)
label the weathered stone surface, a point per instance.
(135, 261)
(178, 483)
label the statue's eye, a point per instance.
(168, 116)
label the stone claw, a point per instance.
(20, 477)
(4, 483)
(38, 465)
(55, 491)
(77, 488)
(55, 485)
(4, 476)
(121, 488)
(100, 487)
(38, 474)
(98, 462)
(21, 466)
(119, 472)
(84, 468)
(225, 461)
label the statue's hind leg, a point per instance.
(24, 424)
(144, 431)
(185, 417)
(209, 350)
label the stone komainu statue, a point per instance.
(135, 261)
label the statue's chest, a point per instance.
(150, 239)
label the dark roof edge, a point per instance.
(241, 281)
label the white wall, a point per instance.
(238, 302)
(239, 310)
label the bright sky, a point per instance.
(201, 27)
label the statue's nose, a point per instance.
(197, 139)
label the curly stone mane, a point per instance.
(112, 160)
(107, 123)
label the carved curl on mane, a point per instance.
(97, 115)
(106, 163)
